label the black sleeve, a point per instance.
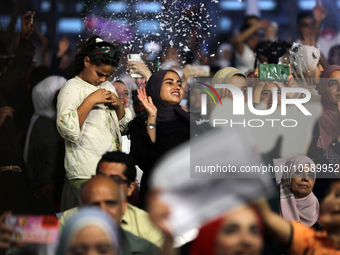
(142, 149)
(22, 62)
(55, 64)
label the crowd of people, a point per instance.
(87, 139)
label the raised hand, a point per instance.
(320, 13)
(150, 108)
(26, 26)
(64, 44)
(6, 232)
(5, 112)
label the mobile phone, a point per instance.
(273, 72)
(136, 58)
(198, 70)
(30, 12)
(34, 228)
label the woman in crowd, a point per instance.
(238, 232)
(90, 115)
(297, 201)
(264, 93)
(325, 147)
(166, 126)
(42, 140)
(228, 75)
(89, 231)
(305, 65)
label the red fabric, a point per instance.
(204, 244)
(205, 241)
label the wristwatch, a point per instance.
(151, 125)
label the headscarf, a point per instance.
(204, 243)
(304, 210)
(223, 76)
(222, 62)
(329, 121)
(303, 60)
(165, 112)
(43, 96)
(86, 217)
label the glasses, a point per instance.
(116, 178)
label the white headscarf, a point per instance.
(85, 217)
(304, 60)
(42, 96)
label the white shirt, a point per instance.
(100, 132)
(246, 61)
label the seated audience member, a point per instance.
(301, 239)
(325, 149)
(120, 167)
(89, 231)
(105, 193)
(238, 232)
(297, 201)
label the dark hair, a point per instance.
(272, 50)
(120, 81)
(96, 59)
(332, 52)
(121, 157)
(302, 15)
(38, 74)
(246, 23)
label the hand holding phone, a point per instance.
(33, 228)
(134, 58)
(273, 72)
(6, 232)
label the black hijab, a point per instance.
(165, 112)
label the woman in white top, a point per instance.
(90, 116)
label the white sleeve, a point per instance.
(69, 99)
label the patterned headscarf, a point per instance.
(304, 60)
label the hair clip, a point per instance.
(98, 40)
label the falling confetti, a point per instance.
(175, 23)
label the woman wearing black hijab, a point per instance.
(166, 125)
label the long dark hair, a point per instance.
(111, 59)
